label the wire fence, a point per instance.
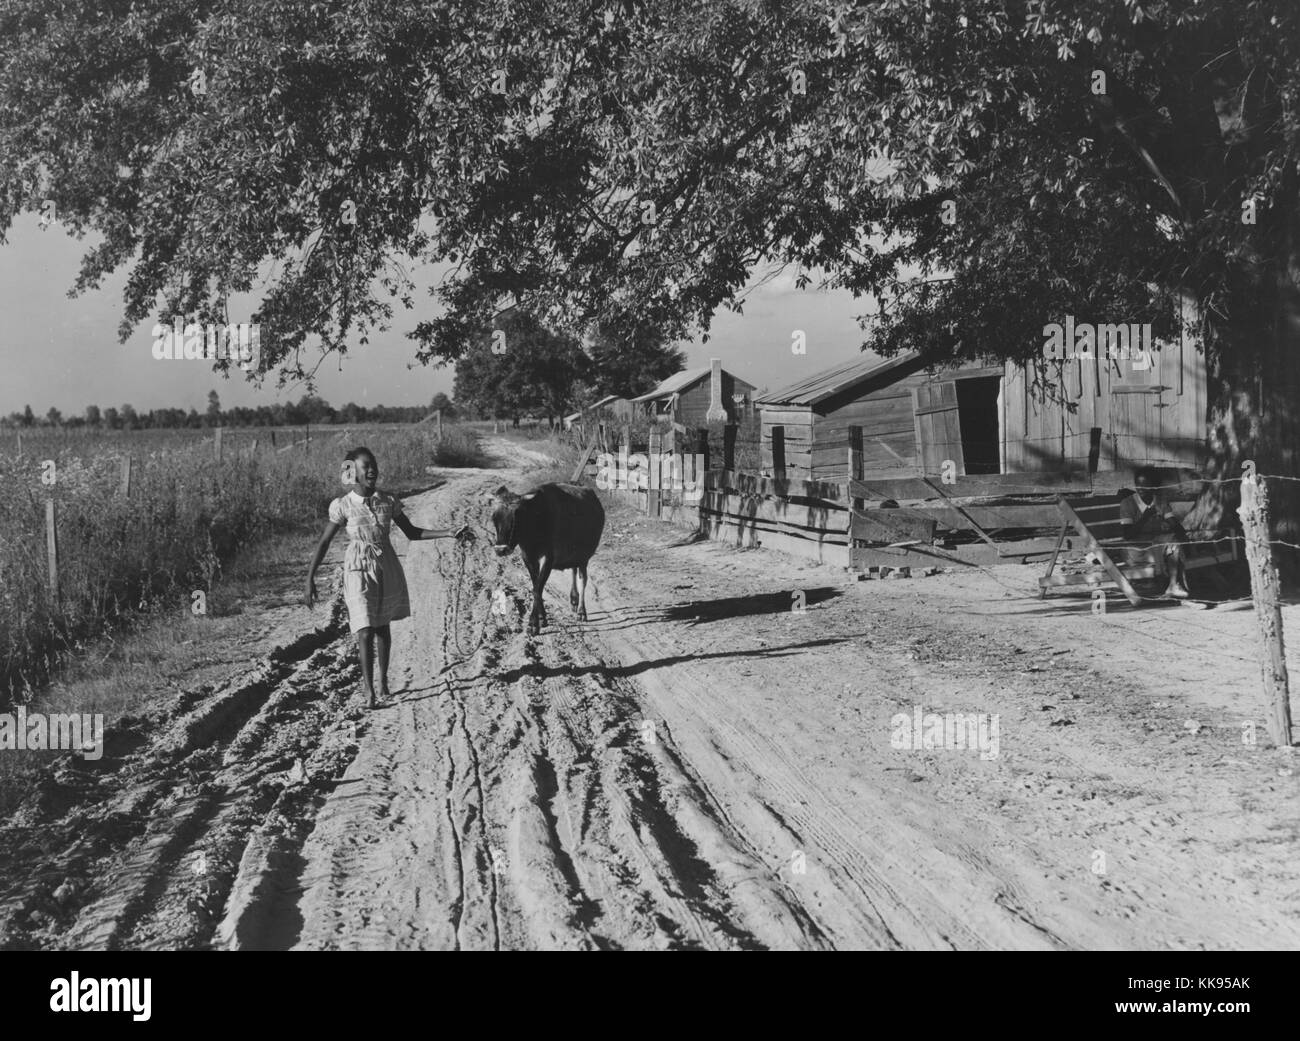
(98, 531)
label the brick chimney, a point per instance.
(716, 413)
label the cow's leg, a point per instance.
(573, 591)
(538, 617)
(531, 565)
(580, 580)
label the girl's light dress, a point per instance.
(374, 584)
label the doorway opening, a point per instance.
(977, 412)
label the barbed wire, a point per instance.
(1038, 489)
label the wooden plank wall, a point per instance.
(693, 404)
(1156, 417)
(819, 451)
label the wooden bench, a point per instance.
(1096, 519)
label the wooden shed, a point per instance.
(609, 409)
(1107, 414)
(696, 397)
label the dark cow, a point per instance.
(557, 528)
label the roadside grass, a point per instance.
(133, 669)
(563, 454)
(190, 524)
(460, 447)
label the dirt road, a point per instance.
(697, 766)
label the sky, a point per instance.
(62, 352)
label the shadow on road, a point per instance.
(741, 606)
(539, 670)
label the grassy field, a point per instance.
(187, 515)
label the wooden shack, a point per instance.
(609, 409)
(695, 397)
(1097, 414)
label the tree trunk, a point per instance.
(1253, 392)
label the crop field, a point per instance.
(123, 551)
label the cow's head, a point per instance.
(503, 519)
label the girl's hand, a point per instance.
(462, 534)
(311, 592)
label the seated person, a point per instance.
(1146, 515)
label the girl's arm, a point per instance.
(416, 534)
(327, 536)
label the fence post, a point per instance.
(856, 469)
(52, 547)
(855, 473)
(438, 421)
(273, 439)
(20, 444)
(253, 451)
(124, 483)
(729, 447)
(1264, 588)
(580, 470)
(216, 443)
(652, 495)
(702, 452)
(624, 455)
(778, 453)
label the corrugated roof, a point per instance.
(595, 405)
(677, 381)
(832, 381)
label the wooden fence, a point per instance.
(908, 518)
(868, 519)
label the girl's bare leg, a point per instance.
(365, 650)
(383, 641)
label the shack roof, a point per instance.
(836, 379)
(679, 381)
(606, 401)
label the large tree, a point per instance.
(610, 160)
(629, 358)
(519, 366)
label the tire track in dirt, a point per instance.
(870, 887)
(145, 854)
(555, 824)
(638, 781)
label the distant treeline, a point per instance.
(308, 409)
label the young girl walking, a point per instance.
(374, 585)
